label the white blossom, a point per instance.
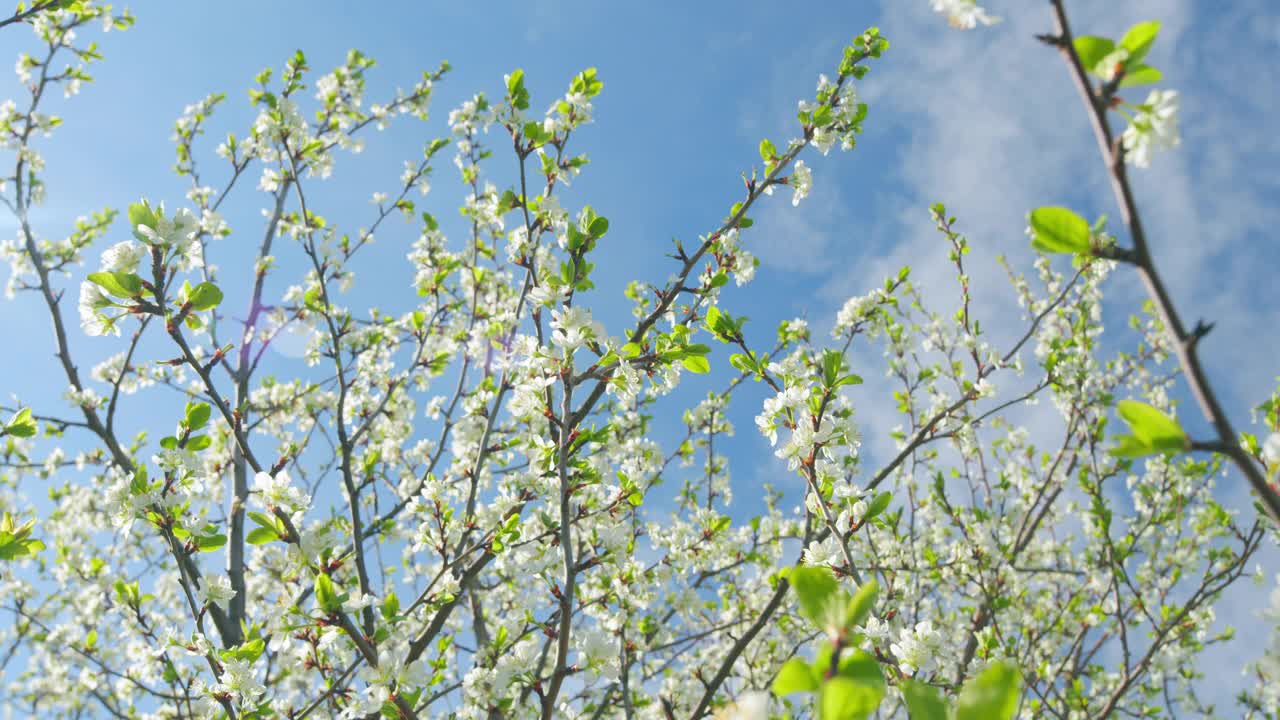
(215, 589)
(1154, 127)
(963, 14)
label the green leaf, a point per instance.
(263, 520)
(1092, 50)
(586, 83)
(856, 612)
(924, 702)
(250, 650)
(863, 667)
(515, 81)
(794, 676)
(743, 362)
(14, 540)
(717, 323)
(696, 364)
(119, 284)
(850, 698)
(141, 214)
(209, 543)
(261, 536)
(822, 116)
(11, 549)
(992, 695)
(1059, 230)
(313, 299)
(197, 415)
(849, 379)
(878, 505)
(816, 589)
(1138, 40)
(21, 424)
(1152, 427)
(205, 296)
(1141, 75)
(767, 150)
(832, 362)
(326, 596)
(390, 606)
(1128, 446)
(598, 227)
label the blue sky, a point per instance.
(985, 121)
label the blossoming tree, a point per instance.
(445, 514)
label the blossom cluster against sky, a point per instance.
(984, 120)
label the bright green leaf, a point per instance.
(209, 543)
(197, 415)
(1128, 446)
(250, 650)
(1138, 40)
(743, 362)
(794, 676)
(21, 424)
(390, 606)
(696, 364)
(326, 595)
(767, 150)
(1141, 75)
(844, 698)
(1092, 50)
(141, 214)
(261, 536)
(1059, 230)
(856, 612)
(1152, 427)
(992, 695)
(205, 296)
(816, 589)
(924, 702)
(878, 505)
(119, 284)
(849, 379)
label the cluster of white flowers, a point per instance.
(917, 648)
(739, 262)
(844, 108)
(801, 182)
(278, 491)
(215, 589)
(93, 304)
(1271, 450)
(1154, 127)
(574, 327)
(753, 705)
(855, 311)
(177, 232)
(963, 14)
(123, 257)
